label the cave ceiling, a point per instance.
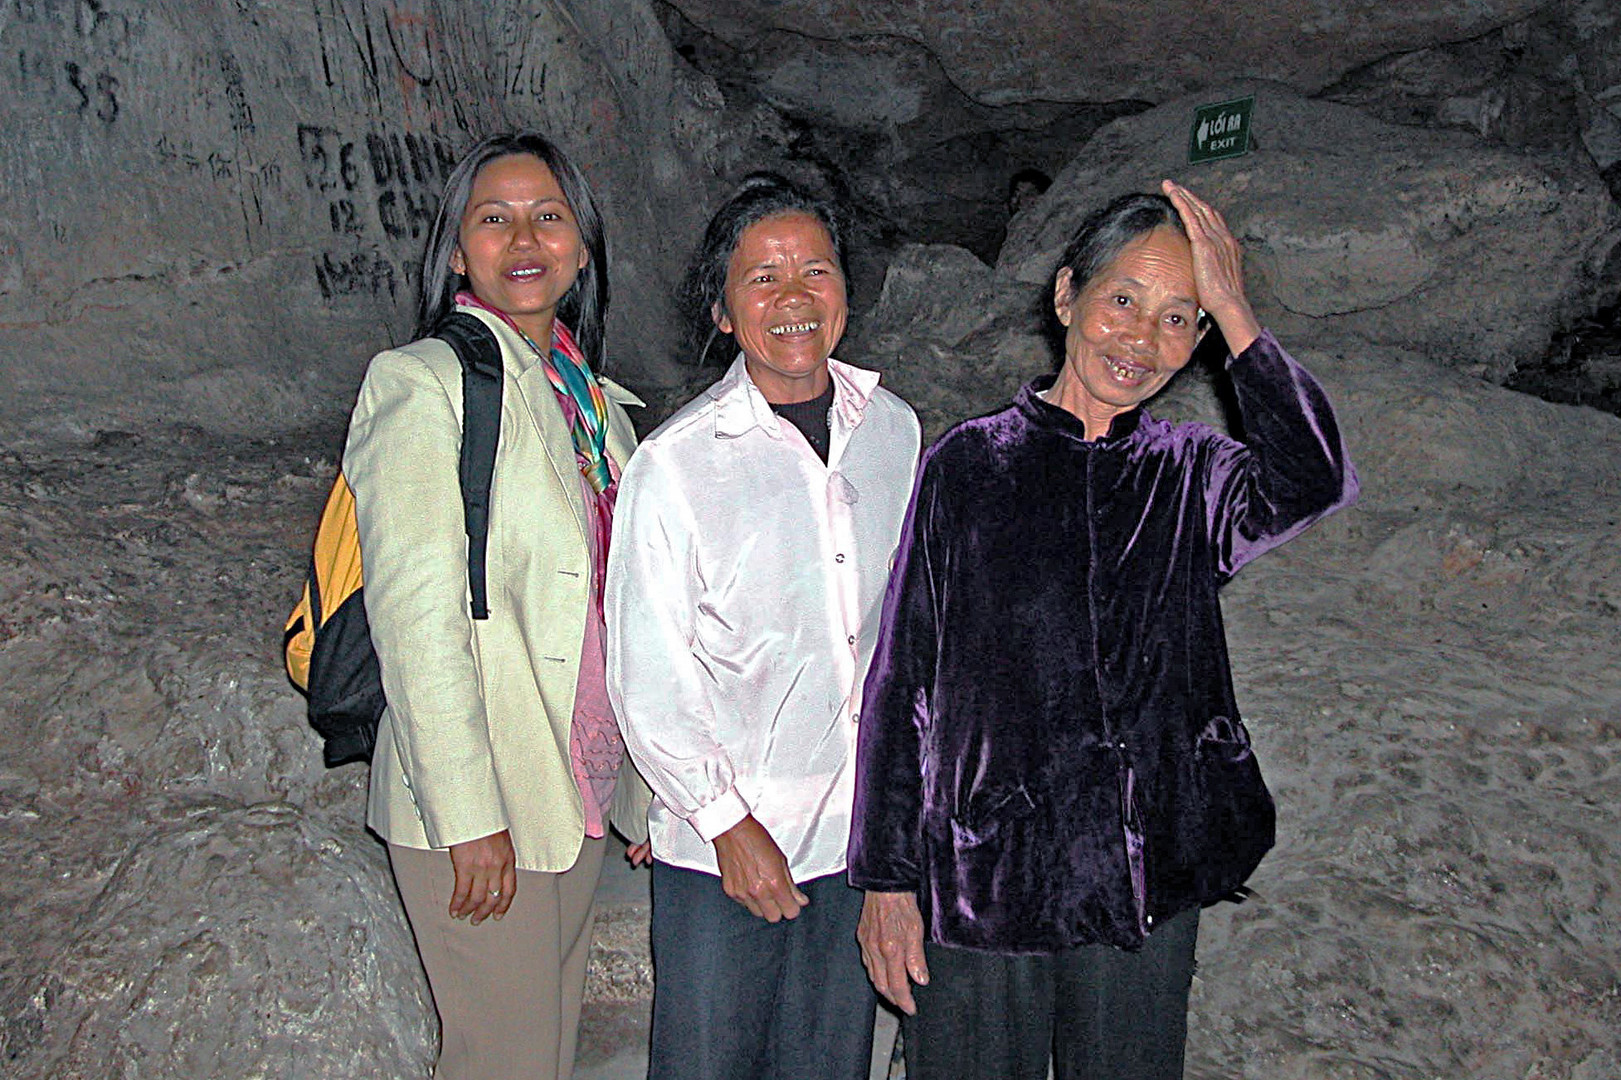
(1005, 51)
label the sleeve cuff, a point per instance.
(716, 817)
(1264, 343)
(444, 830)
(871, 882)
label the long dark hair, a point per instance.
(584, 308)
(761, 195)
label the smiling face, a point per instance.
(785, 304)
(1130, 328)
(519, 244)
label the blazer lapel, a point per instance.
(621, 435)
(541, 403)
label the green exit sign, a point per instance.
(1221, 130)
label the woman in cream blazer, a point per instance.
(496, 753)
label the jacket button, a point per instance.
(839, 557)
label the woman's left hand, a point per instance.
(486, 877)
(1218, 267)
(640, 854)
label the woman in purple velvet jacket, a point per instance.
(1052, 776)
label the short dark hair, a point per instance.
(1032, 176)
(761, 195)
(1106, 232)
(584, 308)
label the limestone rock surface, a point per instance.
(1000, 51)
(196, 895)
(213, 211)
(1551, 79)
(222, 941)
(1467, 252)
(1596, 27)
(951, 336)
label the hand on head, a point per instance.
(1218, 267)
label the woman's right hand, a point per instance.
(486, 877)
(1218, 267)
(891, 937)
(754, 872)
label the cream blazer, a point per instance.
(475, 738)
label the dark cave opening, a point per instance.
(1582, 367)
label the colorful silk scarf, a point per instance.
(586, 409)
(570, 375)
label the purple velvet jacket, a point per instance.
(1050, 752)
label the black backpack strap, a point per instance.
(480, 356)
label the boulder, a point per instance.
(1467, 252)
(220, 940)
(950, 336)
(194, 894)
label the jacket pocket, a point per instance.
(1233, 818)
(1226, 738)
(986, 810)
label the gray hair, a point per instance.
(1106, 232)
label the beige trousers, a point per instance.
(508, 992)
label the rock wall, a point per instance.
(214, 210)
(923, 113)
(1434, 246)
(211, 216)
(1001, 51)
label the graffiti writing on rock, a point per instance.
(92, 46)
(370, 51)
(363, 272)
(388, 179)
(98, 91)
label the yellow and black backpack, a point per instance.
(327, 643)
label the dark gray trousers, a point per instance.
(1101, 1013)
(738, 998)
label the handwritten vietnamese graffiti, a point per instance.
(357, 272)
(236, 95)
(387, 181)
(397, 175)
(371, 52)
(94, 49)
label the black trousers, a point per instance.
(1101, 1013)
(738, 998)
